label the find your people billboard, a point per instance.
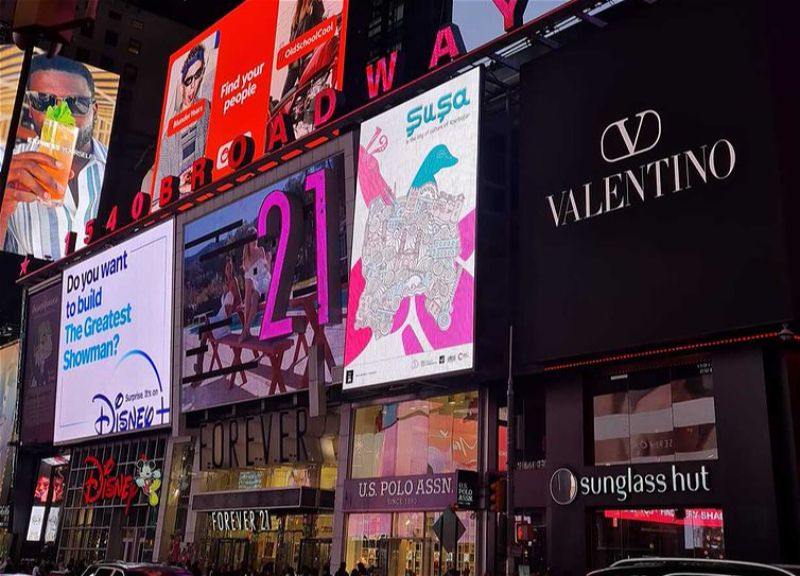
(222, 84)
(115, 339)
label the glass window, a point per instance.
(137, 24)
(677, 532)
(111, 38)
(438, 435)
(656, 415)
(134, 46)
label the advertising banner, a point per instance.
(9, 364)
(41, 366)
(115, 342)
(262, 287)
(417, 492)
(222, 84)
(641, 226)
(412, 288)
(56, 174)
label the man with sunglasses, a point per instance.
(179, 150)
(27, 223)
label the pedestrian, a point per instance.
(37, 569)
(342, 571)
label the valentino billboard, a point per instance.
(649, 184)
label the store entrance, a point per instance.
(230, 553)
(315, 553)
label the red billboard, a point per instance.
(262, 60)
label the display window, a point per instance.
(404, 544)
(663, 414)
(438, 435)
(668, 532)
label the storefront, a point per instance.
(261, 493)
(660, 457)
(111, 501)
(409, 461)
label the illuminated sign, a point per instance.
(115, 363)
(263, 275)
(103, 485)
(235, 520)
(412, 284)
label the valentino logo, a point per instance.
(618, 142)
(688, 167)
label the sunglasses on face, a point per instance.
(78, 105)
(193, 77)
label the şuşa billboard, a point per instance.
(262, 285)
(41, 365)
(115, 364)
(56, 174)
(222, 84)
(412, 286)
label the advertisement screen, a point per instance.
(9, 363)
(282, 250)
(222, 84)
(412, 277)
(115, 340)
(36, 523)
(642, 226)
(41, 365)
(56, 174)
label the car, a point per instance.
(692, 567)
(134, 569)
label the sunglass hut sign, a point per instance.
(622, 143)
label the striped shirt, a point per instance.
(40, 230)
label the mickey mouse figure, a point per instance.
(148, 478)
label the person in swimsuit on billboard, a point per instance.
(257, 266)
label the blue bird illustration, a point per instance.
(439, 157)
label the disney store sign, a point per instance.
(104, 485)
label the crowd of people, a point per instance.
(42, 567)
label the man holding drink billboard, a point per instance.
(56, 174)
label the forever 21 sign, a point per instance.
(624, 139)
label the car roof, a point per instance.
(138, 566)
(669, 565)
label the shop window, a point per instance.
(439, 435)
(404, 544)
(663, 414)
(673, 533)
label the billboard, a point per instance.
(263, 284)
(41, 365)
(9, 364)
(642, 226)
(412, 277)
(56, 174)
(222, 84)
(115, 340)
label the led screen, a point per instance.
(412, 276)
(114, 369)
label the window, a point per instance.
(106, 62)
(676, 533)
(83, 54)
(87, 29)
(137, 24)
(129, 73)
(438, 435)
(112, 38)
(134, 46)
(656, 415)
(113, 15)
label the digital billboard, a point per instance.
(263, 283)
(412, 277)
(41, 365)
(56, 174)
(9, 364)
(222, 84)
(115, 339)
(655, 213)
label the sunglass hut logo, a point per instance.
(629, 138)
(433, 111)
